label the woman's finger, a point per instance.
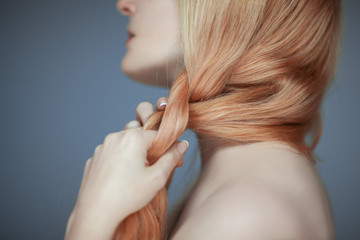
(97, 148)
(85, 174)
(143, 111)
(162, 169)
(87, 167)
(132, 124)
(161, 103)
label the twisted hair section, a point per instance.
(254, 71)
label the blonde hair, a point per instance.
(254, 71)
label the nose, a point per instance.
(125, 7)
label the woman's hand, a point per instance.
(117, 180)
(144, 110)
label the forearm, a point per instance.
(90, 225)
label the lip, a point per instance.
(131, 36)
(130, 33)
(128, 40)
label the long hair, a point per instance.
(254, 71)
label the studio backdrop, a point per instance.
(62, 91)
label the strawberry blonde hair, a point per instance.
(254, 71)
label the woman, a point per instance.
(248, 77)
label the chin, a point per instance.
(146, 76)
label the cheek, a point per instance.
(151, 56)
(153, 50)
(145, 64)
(142, 54)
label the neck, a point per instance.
(211, 148)
(207, 148)
(242, 156)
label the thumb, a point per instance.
(163, 167)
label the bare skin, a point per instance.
(269, 180)
(244, 181)
(255, 191)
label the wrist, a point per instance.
(90, 224)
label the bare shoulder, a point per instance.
(246, 212)
(263, 204)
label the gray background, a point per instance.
(62, 92)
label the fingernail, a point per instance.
(182, 146)
(162, 103)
